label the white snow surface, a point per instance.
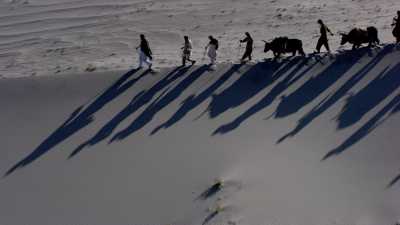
(294, 142)
(297, 141)
(51, 37)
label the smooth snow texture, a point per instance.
(52, 37)
(293, 142)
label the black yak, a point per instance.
(282, 45)
(359, 36)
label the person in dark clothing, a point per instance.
(145, 53)
(249, 47)
(396, 29)
(323, 39)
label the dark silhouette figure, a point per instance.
(148, 114)
(140, 100)
(249, 84)
(145, 52)
(373, 89)
(145, 47)
(249, 47)
(339, 94)
(79, 119)
(316, 85)
(323, 39)
(299, 70)
(282, 45)
(358, 36)
(193, 101)
(396, 29)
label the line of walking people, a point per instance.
(211, 49)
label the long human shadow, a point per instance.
(193, 101)
(248, 85)
(369, 97)
(315, 86)
(157, 105)
(138, 101)
(277, 90)
(374, 122)
(79, 119)
(339, 94)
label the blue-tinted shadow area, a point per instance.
(315, 86)
(248, 85)
(193, 101)
(79, 119)
(164, 100)
(343, 91)
(389, 109)
(298, 68)
(141, 99)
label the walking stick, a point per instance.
(239, 48)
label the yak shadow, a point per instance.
(315, 86)
(79, 119)
(339, 94)
(147, 115)
(369, 97)
(193, 101)
(138, 101)
(278, 89)
(248, 85)
(371, 124)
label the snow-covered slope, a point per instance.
(295, 142)
(51, 37)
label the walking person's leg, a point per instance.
(183, 59)
(141, 59)
(319, 45)
(250, 53)
(326, 44)
(147, 60)
(211, 56)
(247, 54)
